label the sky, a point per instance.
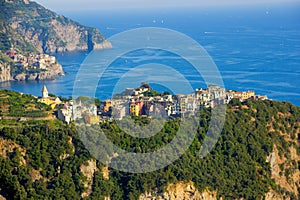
(73, 5)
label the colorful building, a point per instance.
(107, 105)
(244, 95)
(134, 110)
(51, 101)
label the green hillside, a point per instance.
(46, 159)
(14, 104)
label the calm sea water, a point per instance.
(256, 48)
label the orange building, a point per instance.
(107, 105)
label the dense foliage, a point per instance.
(236, 167)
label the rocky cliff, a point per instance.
(28, 28)
(51, 73)
(47, 31)
(4, 72)
(23, 68)
(180, 191)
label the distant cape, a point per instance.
(29, 26)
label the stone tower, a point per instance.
(45, 92)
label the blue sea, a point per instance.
(254, 48)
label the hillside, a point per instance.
(29, 26)
(257, 156)
(28, 32)
(16, 105)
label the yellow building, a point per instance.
(251, 94)
(134, 110)
(244, 95)
(247, 95)
(183, 102)
(107, 105)
(51, 101)
(92, 119)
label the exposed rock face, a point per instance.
(65, 37)
(51, 33)
(5, 72)
(51, 73)
(272, 195)
(88, 170)
(70, 141)
(180, 191)
(20, 77)
(289, 183)
(30, 28)
(105, 172)
(284, 163)
(35, 175)
(187, 191)
(8, 146)
(104, 45)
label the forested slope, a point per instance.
(257, 152)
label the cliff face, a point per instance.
(285, 164)
(4, 72)
(61, 37)
(47, 31)
(23, 68)
(88, 170)
(51, 73)
(28, 28)
(180, 191)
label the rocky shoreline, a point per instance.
(51, 74)
(42, 76)
(30, 68)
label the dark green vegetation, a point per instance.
(13, 104)
(236, 167)
(152, 93)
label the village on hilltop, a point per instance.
(35, 61)
(34, 66)
(143, 101)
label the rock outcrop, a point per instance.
(105, 172)
(285, 163)
(11, 71)
(52, 73)
(49, 32)
(272, 195)
(180, 191)
(28, 28)
(88, 170)
(283, 172)
(5, 72)
(8, 146)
